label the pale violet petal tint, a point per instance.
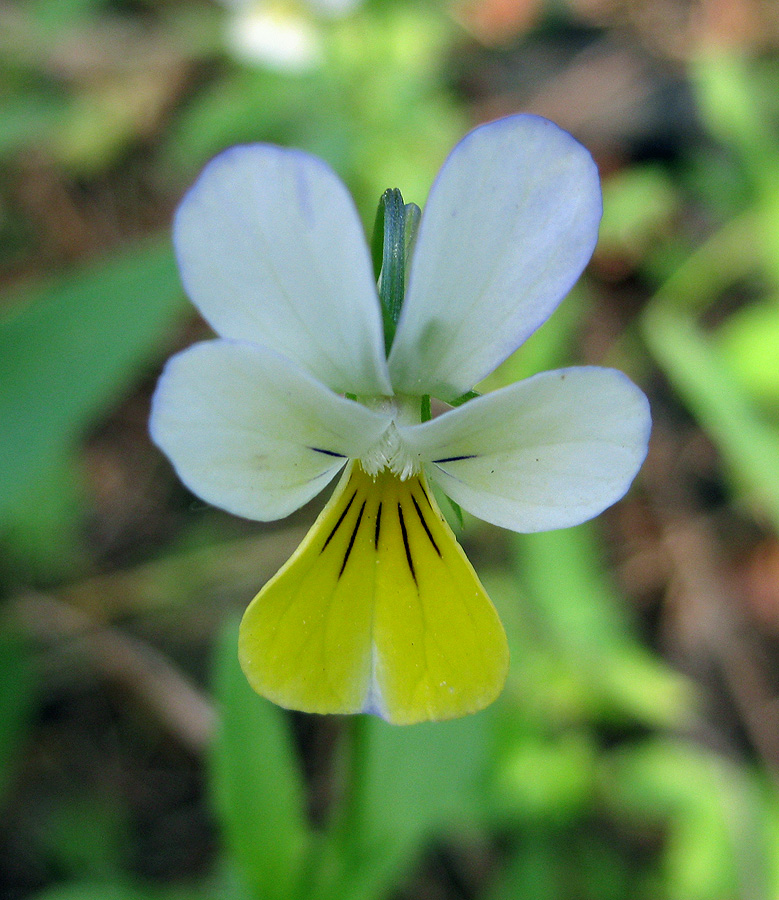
(273, 254)
(510, 223)
(271, 250)
(241, 420)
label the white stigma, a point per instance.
(390, 452)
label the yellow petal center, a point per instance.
(377, 611)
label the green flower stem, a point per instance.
(343, 844)
(354, 783)
(339, 853)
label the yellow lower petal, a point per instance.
(378, 611)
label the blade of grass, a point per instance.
(417, 781)
(748, 444)
(70, 348)
(581, 613)
(257, 787)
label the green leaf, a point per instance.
(245, 105)
(205, 889)
(639, 204)
(717, 821)
(729, 104)
(747, 442)
(566, 866)
(85, 835)
(27, 119)
(54, 14)
(42, 537)
(17, 697)
(68, 350)
(95, 891)
(749, 344)
(564, 576)
(580, 613)
(533, 872)
(543, 779)
(698, 278)
(423, 778)
(258, 790)
(418, 781)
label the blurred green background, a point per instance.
(634, 753)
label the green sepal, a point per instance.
(377, 239)
(393, 239)
(464, 398)
(458, 513)
(413, 214)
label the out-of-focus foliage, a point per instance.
(634, 752)
(67, 351)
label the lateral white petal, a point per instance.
(548, 452)
(510, 223)
(251, 432)
(271, 250)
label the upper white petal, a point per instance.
(251, 432)
(271, 250)
(548, 452)
(511, 221)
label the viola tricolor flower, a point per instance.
(379, 610)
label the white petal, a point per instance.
(251, 432)
(271, 250)
(511, 221)
(548, 452)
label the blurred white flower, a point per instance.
(281, 35)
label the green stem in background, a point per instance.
(338, 855)
(691, 362)
(355, 739)
(729, 254)
(394, 234)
